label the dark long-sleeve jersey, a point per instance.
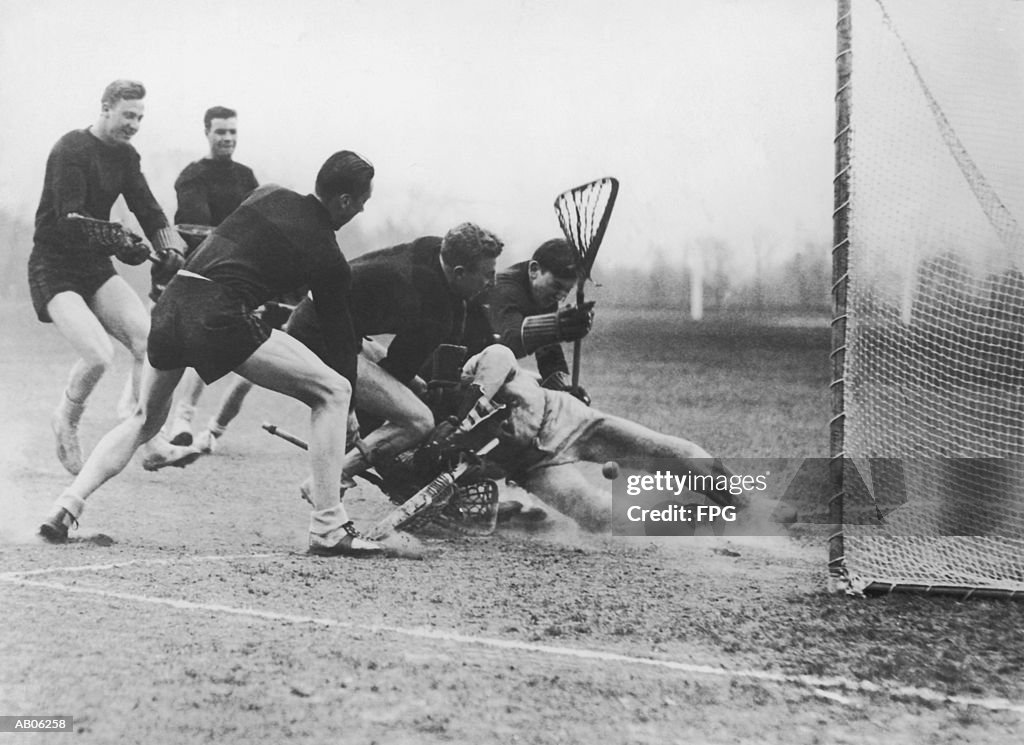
(86, 175)
(403, 291)
(276, 242)
(504, 306)
(211, 189)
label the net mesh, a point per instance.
(583, 213)
(934, 356)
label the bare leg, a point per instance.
(189, 391)
(407, 419)
(125, 318)
(285, 365)
(115, 310)
(230, 406)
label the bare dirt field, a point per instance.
(204, 620)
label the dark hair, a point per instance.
(217, 112)
(466, 244)
(558, 257)
(344, 172)
(127, 90)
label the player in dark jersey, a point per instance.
(275, 242)
(75, 286)
(523, 311)
(416, 291)
(208, 191)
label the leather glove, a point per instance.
(133, 251)
(575, 323)
(560, 381)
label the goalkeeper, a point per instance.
(548, 431)
(524, 312)
(72, 279)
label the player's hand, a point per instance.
(132, 251)
(560, 381)
(169, 261)
(437, 449)
(575, 322)
(579, 392)
(275, 314)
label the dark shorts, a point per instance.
(204, 325)
(51, 272)
(304, 325)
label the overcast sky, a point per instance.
(717, 116)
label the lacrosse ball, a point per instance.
(610, 470)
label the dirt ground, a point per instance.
(204, 621)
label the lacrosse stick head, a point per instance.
(103, 235)
(472, 508)
(583, 212)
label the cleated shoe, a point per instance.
(181, 433)
(170, 456)
(69, 452)
(55, 528)
(352, 544)
(205, 442)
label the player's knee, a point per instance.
(421, 422)
(336, 392)
(98, 358)
(137, 346)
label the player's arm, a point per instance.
(169, 246)
(330, 293)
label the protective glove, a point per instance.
(567, 324)
(132, 250)
(168, 262)
(575, 323)
(560, 381)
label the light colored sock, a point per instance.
(326, 527)
(74, 504)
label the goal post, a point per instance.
(927, 353)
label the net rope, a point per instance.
(934, 365)
(583, 213)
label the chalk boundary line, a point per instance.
(831, 688)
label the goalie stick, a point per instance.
(109, 234)
(432, 496)
(583, 213)
(302, 444)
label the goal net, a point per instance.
(928, 335)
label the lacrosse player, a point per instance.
(552, 429)
(524, 312)
(208, 191)
(72, 279)
(275, 242)
(418, 292)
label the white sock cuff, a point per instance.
(72, 503)
(327, 524)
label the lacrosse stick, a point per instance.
(432, 497)
(109, 236)
(302, 444)
(192, 234)
(583, 213)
